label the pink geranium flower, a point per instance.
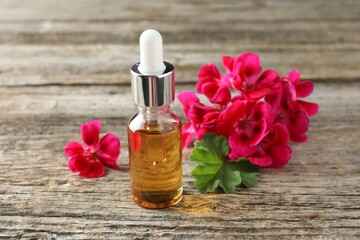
(89, 160)
(273, 150)
(245, 124)
(243, 72)
(211, 84)
(301, 89)
(291, 111)
(202, 118)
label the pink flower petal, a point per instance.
(248, 66)
(258, 93)
(198, 110)
(208, 80)
(280, 155)
(228, 62)
(223, 126)
(275, 100)
(263, 110)
(260, 158)
(208, 124)
(210, 119)
(209, 90)
(279, 135)
(209, 70)
(258, 132)
(226, 80)
(298, 137)
(311, 108)
(201, 132)
(111, 164)
(298, 122)
(187, 98)
(106, 160)
(96, 170)
(109, 145)
(81, 163)
(294, 77)
(237, 82)
(188, 133)
(90, 132)
(268, 78)
(222, 97)
(239, 145)
(235, 112)
(237, 98)
(71, 165)
(73, 148)
(304, 89)
(289, 90)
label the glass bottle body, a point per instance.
(154, 135)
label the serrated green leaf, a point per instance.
(211, 149)
(211, 171)
(248, 171)
(229, 178)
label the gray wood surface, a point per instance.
(66, 62)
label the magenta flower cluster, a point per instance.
(260, 120)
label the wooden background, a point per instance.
(66, 62)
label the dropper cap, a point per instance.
(151, 53)
(152, 79)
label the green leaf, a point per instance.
(248, 171)
(211, 171)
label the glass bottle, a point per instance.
(154, 132)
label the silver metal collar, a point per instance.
(153, 90)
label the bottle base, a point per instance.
(156, 200)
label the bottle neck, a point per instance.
(153, 113)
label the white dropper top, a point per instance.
(151, 53)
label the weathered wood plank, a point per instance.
(315, 196)
(82, 42)
(72, 102)
(225, 32)
(110, 64)
(107, 10)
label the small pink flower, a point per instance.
(212, 86)
(89, 160)
(301, 89)
(198, 111)
(187, 99)
(208, 123)
(290, 111)
(273, 150)
(245, 124)
(243, 72)
(202, 118)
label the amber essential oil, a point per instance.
(155, 164)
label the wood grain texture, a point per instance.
(95, 42)
(66, 62)
(315, 196)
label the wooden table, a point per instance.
(66, 62)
